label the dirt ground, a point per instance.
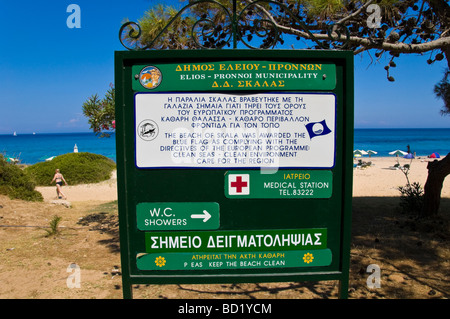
(83, 260)
(413, 256)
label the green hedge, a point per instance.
(77, 168)
(16, 184)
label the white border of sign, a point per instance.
(217, 130)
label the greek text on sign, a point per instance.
(207, 130)
(233, 75)
(234, 260)
(257, 240)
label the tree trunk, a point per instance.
(437, 171)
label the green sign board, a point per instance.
(177, 216)
(241, 260)
(234, 166)
(261, 240)
(279, 184)
(233, 75)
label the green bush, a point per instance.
(411, 199)
(16, 184)
(54, 224)
(77, 168)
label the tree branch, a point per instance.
(356, 13)
(367, 44)
(402, 47)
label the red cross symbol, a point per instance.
(239, 184)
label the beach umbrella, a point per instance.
(397, 153)
(370, 152)
(434, 155)
(359, 153)
(12, 160)
(409, 155)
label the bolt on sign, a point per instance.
(234, 166)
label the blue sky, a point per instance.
(48, 70)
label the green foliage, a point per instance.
(156, 19)
(405, 23)
(405, 170)
(442, 91)
(323, 8)
(16, 184)
(101, 112)
(411, 199)
(77, 168)
(54, 223)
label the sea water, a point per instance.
(33, 148)
(421, 141)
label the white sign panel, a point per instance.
(209, 130)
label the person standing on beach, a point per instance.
(59, 178)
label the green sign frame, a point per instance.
(290, 222)
(237, 75)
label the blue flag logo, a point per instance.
(317, 129)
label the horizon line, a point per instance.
(113, 132)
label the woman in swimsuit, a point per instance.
(59, 178)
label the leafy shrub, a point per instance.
(16, 184)
(411, 199)
(54, 224)
(77, 168)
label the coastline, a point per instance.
(377, 180)
(36, 265)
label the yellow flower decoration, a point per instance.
(160, 261)
(308, 258)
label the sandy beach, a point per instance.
(380, 180)
(104, 191)
(413, 255)
(377, 180)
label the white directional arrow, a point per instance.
(206, 216)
